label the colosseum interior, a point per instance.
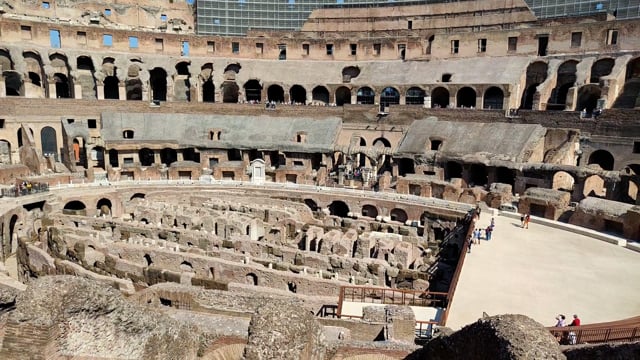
(173, 195)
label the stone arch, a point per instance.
(399, 215)
(137, 196)
(594, 186)
(350, 72)
(602, 158)
(440, 97)
(365, 95)
(343, 96)
(563, 180)
(13, 236)
(168, 156)
(36, 74)
(85, 76)
(389, 96)
(104, 205)
(13, 83)
(369, 211)
(275, 93)
(75, 207)
(566, 78)
(230, 92)
(49, 142)
(588, 96)
(466, 97)
(478, 174)
(232, 68)
(113, 158)
(63, 86)
(600, 68)
(186, 266)
(415, 96)
(133, 84)
(158, 82)
(339, 208)
(146, 156)
(298, 95)
(6, 62)
(253, 90)
(381, 142)
(536, 75)
(181, 82)
(629, 97)
(251, 279)
(147, 259)
(320, 94)
(311, 204)
(505, 175)
(208, 87)
(453, 170)
(5, 152)
(493, 98)
(61, 75)
(111, 87)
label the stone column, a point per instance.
(170, 88)
(52, 87)
(100, 90)
(122, 90)
(354, 97)
(3, 88)
(77, 91)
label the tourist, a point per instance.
(522, 220)
(527, 218)
(493, 223)
(560, 321)
(488, 232)
(470, 241)
(576, 321)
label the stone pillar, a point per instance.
(354, 97)
(52, 88)
(122, 90)
(179, 156)
(572, 99)
(403, 98)
(77, 91)
(170, 88)
(3, 88)
(578, 189)
(156, 157)
(613, 191)
(100, 90)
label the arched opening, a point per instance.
(182, 68)
(298, 95)
(84, 63)
(75, 208)
(440, 98)
(566, 79)
(588, 96)
(147, 259)
(339, 208)
(251, 279)
(84, 77)
(111, 88)
(63, 90)
(133, 88)
(275, 93)
(253, 91)
(79, 152)
(137, 196)
(602, 158)
(562, 180)
(365, 95)
(5, 152)
(19, 135)
(49, 142)
(493, 98)
(405, 166)
(168, 156)
(399, 215)
(466, 98)
(600, 68)
(478, 175)
(343, 96)
(629, 98)
(146, 156)
(506, 176)
(320, 94)
(369, 211)
(381, 142)
(97, 153)
(594, 186)
(230, 91)
(181, 83)
(113, 158)
(208, 91)
(350, 72)
(35, 79)
(415, 96)
(13, 237)
(311, 204)
(186, 266)
(13, 83)
(536, 75)
(104, 205)
(292, 287)
(389, 96)
(453, 170)
(158, 82)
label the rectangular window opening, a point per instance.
(305, 49)
(354, 49)
(81, 37)
(513, 43)
(612, 37)
(45, 5)
(329, 49)
(482, 45)
(25, 32)
(159, 44)
(259, 48)
(409, 24)
(235, 47)
(455, 46)
(107, 40)
(211, 46)
(636, 147)
(54, 37)
(133, 42)
(377, 48)
(92, 123)
(107, 12)
(576, 39)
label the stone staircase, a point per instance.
(25, 341)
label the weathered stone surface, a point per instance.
(284, 332)
(603, 351)
(497, 337)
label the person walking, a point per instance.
(527, 218)
(488, 232)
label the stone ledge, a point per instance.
(572, 228)
(635, 246)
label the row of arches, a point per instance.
(341, 209)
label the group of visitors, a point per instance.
(524, 220)
(476, 235)
(571, 338)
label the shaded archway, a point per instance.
(629, 98)
(562, 180)
(298, 95)
(208, 91)
(168, 156)
(365, 95)
(104, 205)
(369, 211)
(251, 279)
(536, 75)
(63, 90)
(111, 88)
(133, 87)
(339, 208)
(230, 91)
(566, 79)
(415, 96)
(349, 73)
(478, 175)
(594, 186)
(253, 91)
(137, 196)
(588, 96)
(493, 98)
(158, 82)
(275, 93)
(381, 142)
(49, 142)
(600, 68)
(320, 94)
(603, 158)
(399, 215)
(453, 170)
(440, 98)
(389, 96)
(5, 152)
(311, 204)
(75, 207)
(466, 98)
(113, 158)
(13, 236)
(85, 77)
(181, 82)
(343, 96)
(506, 176)
(146, 156)
(13, 83)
